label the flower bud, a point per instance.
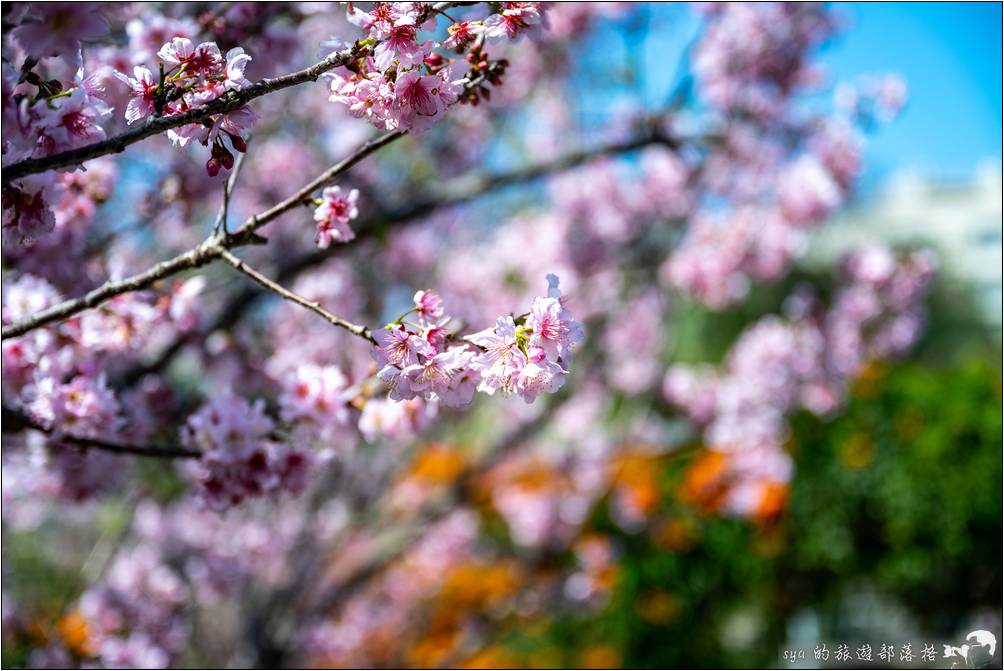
(238, 143)
(226, 158)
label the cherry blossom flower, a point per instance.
(238, 460)
(400, 43)
(462, 34)
(379, 20)
(416, 94)
(237, 62)
(432, 377)
(551, 325)
(142, 100)
(204, 59)
(539, 375)
(317, 394)
(26, 214)
(400, 348)
(502, 360)
(807, 192)
(429, 306)
(515, 19)
(56, 29)
(76, 121)
(333, 215)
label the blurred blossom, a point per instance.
(452, 448)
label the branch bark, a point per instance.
(313, 306)
(15, 421)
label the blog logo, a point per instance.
(976, 653)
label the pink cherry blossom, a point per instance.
(429, 306)
(56, 29)
(400, 348)
(400, 43)
(142, 100)
(462, 34)
(551, 325)
(515, 19)
(539, 375)
(333, 216)
(502, 360)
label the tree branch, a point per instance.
(225, 103)
(451, 193)
(212, 247)
(206, 252)
(314, 306)
(18, 421)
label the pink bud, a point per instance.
(226, 158)
(238, 143)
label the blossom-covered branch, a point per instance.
(211, 248)
(451, 193)
(232, 100)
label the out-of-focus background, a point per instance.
(893, 530)
(889, 531)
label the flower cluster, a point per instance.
(39, 363)
(41, 118)
(806, 361)
(333, 214)
(751, 58)
(525, 355)
(317, 398)
(191, 76)
(239, 460)
(57, 29)
(404, 84)
(135, 616)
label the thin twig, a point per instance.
(17, 421)
(228, 189)
(314, 306)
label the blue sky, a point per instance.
(950, 56)
(948, 53)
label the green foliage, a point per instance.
(899, 495)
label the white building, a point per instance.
(962, 222)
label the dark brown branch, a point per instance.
(14, 421)
(313, 306)
(154, 126)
